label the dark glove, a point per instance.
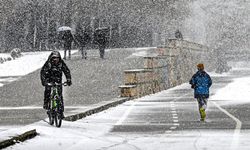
(192, 86)
(69, 83)
(44, 83)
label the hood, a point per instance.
(54, 54)
(201, 72)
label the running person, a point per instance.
(201, 83)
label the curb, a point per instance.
(32, 133)
(19, 138)
(97, 109)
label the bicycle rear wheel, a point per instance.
(51, 117)
(58, 120)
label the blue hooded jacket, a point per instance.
(201, 83)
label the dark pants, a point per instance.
(202, 101)
(67, 47)
(83, 51)
(47, 93)
(102, 50)
(65, 55)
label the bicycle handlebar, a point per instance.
(57, 84)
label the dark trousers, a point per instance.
(202, 101)
(102, 50)
(67, 47)
(65, 53)
(47, 93)
(83, 51)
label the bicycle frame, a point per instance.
(54, 112)
(54, 97)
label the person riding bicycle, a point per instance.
(201, 83)
(51, 72)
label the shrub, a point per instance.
(15, 53)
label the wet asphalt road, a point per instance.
(177, 110)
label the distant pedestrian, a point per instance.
(82, 37)
(67, 42)
(201, 83)
(100, 38)
(178, 35)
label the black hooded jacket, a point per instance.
(82, 38)
(51, 73)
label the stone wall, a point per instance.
(168, 66)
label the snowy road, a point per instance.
(22, 93)
(22, 96)
(166, 120)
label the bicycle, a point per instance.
(54, 112)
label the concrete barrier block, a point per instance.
(136, 76)
(174, 64)
(130, 78)
(128, 90)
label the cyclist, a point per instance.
(51, 72)
(201, 83)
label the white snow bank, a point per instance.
(214, 74)
(236, 92)
(27, 63)
(4, 55)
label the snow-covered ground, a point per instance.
(93, 132)
(29, 62)
(236, 92)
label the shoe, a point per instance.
(62, 116)
(203, 114)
